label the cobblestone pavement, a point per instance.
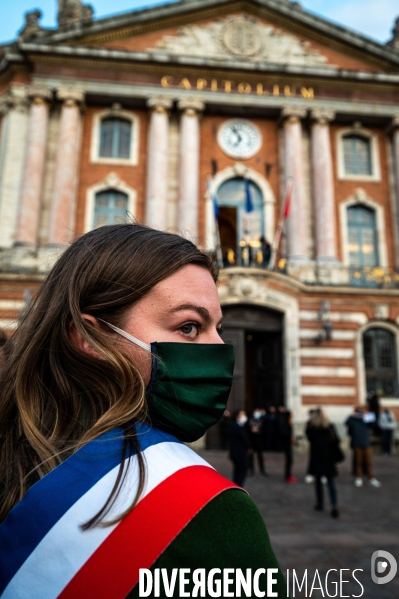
(305, 539)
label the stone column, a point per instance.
(323, 187)
(12, 152)
(66, 167)
(297, 221)
(157, 173)
(395, 144)
(35, 157)
(187, 219)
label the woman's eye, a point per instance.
(190, 329)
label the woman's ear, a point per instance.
(78, 341)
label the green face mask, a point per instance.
(189, 387)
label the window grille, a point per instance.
(357, 155)
(379, 347)
(362, 237)
(110, 207)
(115, 138)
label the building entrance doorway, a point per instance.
(257, 336)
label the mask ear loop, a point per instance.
(127, 336)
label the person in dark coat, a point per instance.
(239, 447)
(322, 437)
(269, 430)
(256, 439)
(285, 422)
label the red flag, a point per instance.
(287, 204)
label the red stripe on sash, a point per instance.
(113, 569)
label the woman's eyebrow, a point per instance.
(203, 312)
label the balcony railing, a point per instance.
(372, 277)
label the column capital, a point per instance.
(159, 103)
(39, 94)
(395, 123)
(293, 114)
(16, 98)
(190, 106)
(322, 116)
(70, 96)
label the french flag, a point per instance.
(45, 553)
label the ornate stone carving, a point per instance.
(292, 114)
(360, 196)
(240, 37)
(160, 103)
(394, 42)
(190, 106)
(16, 98)
(70, 95)
(395, 122)
(74, 11)
(322, 115)
(31, 26)
(39, 94)
(381, 311)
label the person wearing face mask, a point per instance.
(115, 365)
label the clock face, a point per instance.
(239, 138)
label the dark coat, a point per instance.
(358, 431)
(322, 440)
(239, 442)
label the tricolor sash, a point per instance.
(44, 553)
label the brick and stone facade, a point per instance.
(178, 73)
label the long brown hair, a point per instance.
(53, 397)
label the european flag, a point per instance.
(248, 198)
(214, 201)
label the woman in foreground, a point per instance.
(118, 361)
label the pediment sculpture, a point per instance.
(240, 38)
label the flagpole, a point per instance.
(281, 222)
(216, 232)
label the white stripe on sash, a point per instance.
(66, 547)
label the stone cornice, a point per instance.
(179, 13)
(35, 51)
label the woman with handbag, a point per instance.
(324, 453)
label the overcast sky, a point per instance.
(374, 18)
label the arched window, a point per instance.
(110, 207)
(379, 347)
(362, 237)
(357, 155)
(237, 225)
(115, 138)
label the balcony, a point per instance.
(311, 272)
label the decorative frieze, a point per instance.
(243, 38)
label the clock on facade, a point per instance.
(239, 138)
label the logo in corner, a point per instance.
(380, 560)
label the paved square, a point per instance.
(305, 539)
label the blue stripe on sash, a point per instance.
(52, 496)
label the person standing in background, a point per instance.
(360, 443)
(256, 439)
(285, 422)
(387, 424)
(322, 437)
(240, 447)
